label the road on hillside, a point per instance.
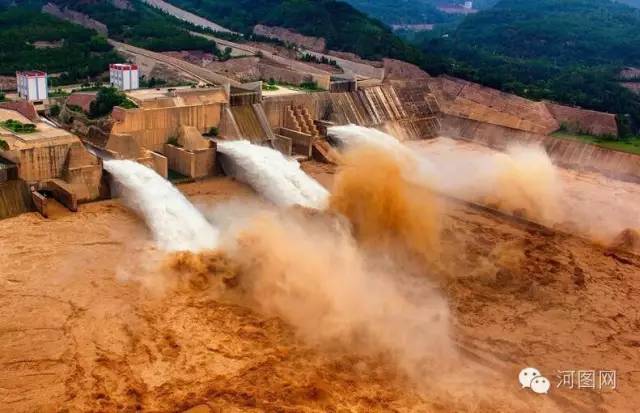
(196, 71)
(186, 16)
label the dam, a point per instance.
(176, 131)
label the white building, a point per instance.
(32, 85)
(124, 76)
(468, 5)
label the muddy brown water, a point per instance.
(85, 328)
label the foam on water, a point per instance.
(271, 174)
(175, 223)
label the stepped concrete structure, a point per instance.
(166, 130)
(48, 161)
(161, 113)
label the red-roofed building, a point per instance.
(124, 76)
(32, 85)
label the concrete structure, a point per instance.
(51, 161)
(161, 113)
(468, 5)
(466, 100)
(567, 153)
(193, 156)
(404, 108)
(124, 76)
(578, 120)
(463, 99)
(32, 85)
(166, 130)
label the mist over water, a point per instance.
(176, 225)
(271, 174)
(336, 288)
(523, 180)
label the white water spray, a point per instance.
(175, 223)
(353, 135)
(521, 180)
(271, 174)
(417, 170)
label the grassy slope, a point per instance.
(630, 145)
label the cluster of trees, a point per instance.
(569, 51)
(81, 53)
(142, 26)
(314, 59)
(18, 127)
(106, 99)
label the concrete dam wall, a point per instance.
(406, 109)
(15, 199)
(564, 152)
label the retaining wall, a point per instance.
(194, 164)
(152, 127)
(564, 152)
(15, 199)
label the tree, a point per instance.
(106, 100)
(4, 146)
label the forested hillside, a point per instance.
(344, 27)
(141, 25)
(32, 40)
(403, 11)
(565, 50)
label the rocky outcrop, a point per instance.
(317, 44)
(399, 70)
(8, 83)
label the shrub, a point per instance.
(106, 99)
(18, 127)
(54, 110)
(213, 132)
(173, 140)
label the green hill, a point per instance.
(403, 11)
(344, 27)
(32, 40)
(565, 50)
(142, 25)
